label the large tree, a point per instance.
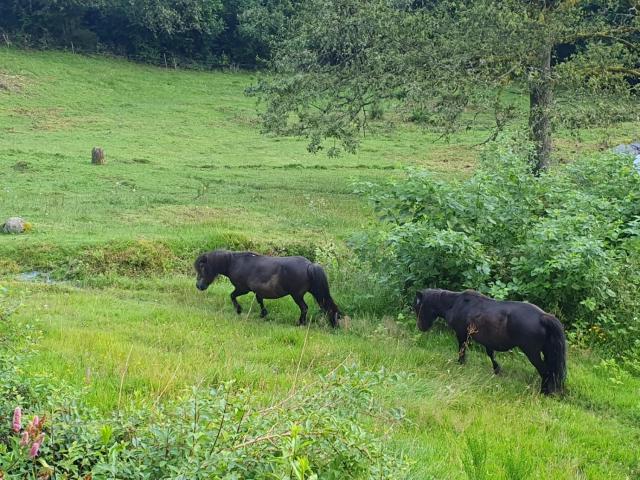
(444, 61)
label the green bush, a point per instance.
(564, 240)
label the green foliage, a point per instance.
(331, 44)
(449, 64)
(187, 31)
(564, 240)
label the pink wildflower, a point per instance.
(17, 419)
(24, 439)
(35, 446)
(35, 449)
(36, 421)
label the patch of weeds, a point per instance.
(8, 267)
(290, 249)
(11, 83)
(128, 258)
(474, 461)
(517, 467)
(21, 166)
(614, 372)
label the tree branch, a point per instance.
(611, 34)
(632, 72)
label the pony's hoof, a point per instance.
(263, 313)
(497, 371)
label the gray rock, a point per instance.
(628, 149)
(13, 225)
(631, 149)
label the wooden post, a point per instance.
(97, 156)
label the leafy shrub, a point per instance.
(439, 252)
(563, 240)
(222, 432)
(219, 433)
(562, 263)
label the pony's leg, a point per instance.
(236, 293)
(536, 359)
(263, 311)
(462, 349)
(303, 308)
(492, 356)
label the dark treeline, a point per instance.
(191, 32)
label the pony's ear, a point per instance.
(419, 299)
(202, 260)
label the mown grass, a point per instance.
(186, 159)
(184, 154)
(188, 170)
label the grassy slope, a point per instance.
(168, 135)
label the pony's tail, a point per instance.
(320, 290)
(555, 354)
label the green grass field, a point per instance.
(188, 169)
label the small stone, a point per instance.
(14, 225)
(631, 149)
(628, 149)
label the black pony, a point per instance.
(268, 277)
(501, 326)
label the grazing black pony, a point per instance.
(268, 277)
(501, 326)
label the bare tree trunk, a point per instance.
(540, 104)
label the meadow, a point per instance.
(188, 170)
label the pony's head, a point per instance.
(208, 266)
(425, 310)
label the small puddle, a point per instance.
(35, 276)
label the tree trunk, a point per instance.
(540, 104)
(97, 156)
